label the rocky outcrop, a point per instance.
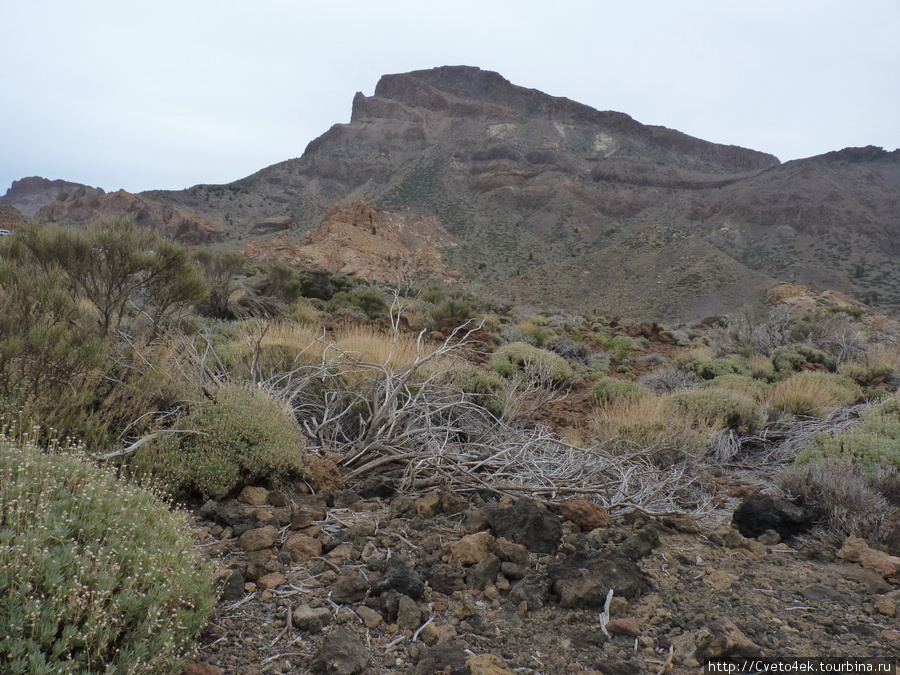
(354, 240)
(30, 195)
(178, 223)
(10, 217)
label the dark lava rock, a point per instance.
(345, 498)
(585, 582)
(230, 513)
(343, 653)
(483, 573)
(446, 579)
(640, 544)
(399, 576)
(533, 591)
(445, 659)
(760, 512)
(234, 586)
(822, 592)
(381, 487)
(349, 587)
(527, 524)
(477, 520)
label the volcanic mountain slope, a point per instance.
(533, 187)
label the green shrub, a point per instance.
(484, 386)
(96, 576)
(453, 308)
(790, 358)
(609, 389)
(710, 407)
(366, 299)
(323, 285)
(535, 365)
(244, 437)
(874, 444)
(708, 369)
(621, 346)
(741, 385)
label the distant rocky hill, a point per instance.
(558, 204)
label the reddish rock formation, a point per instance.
(354, 240)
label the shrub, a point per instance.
(874, 444)
(843, 497)
(875, 367)
(609, 389)
(790, 358)
(708, 407)
(532, 364)
(762, 368)
(741, 385)
(813, 393)
(366, 299)
(96, 576)
(323, 285)
(621, 346)
(484, 386)
(453, 308)
(244, 437)
(708, 369)
(649, 425)
(668, 379)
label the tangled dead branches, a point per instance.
(412, 422)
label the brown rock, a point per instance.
(681, 522)
(856, 549)
(324, 474)
(720, 581)
(255, 496)
(584, 513)
(258, 539)
(487, 664)
(723, 638)
(507, 551)
(451, 502)
(270, 581)
(369, 616)
(886, 607)
(303, 548)
(471, 549)
(428, 506)
(194, 668)
(890, 634)
(628, 627)
(409, 616)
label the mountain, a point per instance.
(557, 204)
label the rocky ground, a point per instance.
(376, 582)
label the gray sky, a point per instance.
(170, 93)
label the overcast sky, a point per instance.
(167, 94)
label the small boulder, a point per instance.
(302, 549)
(343, 652)
(401, 577)
(309, 619)
(584, 581)
(761, 512)
(722, 638)
(483, 573)
(254, 496)
(628, 627)
(584, 513)
(258, 538)
(471, 549)
(428, 506)
(528, 524)
(350, 587)
(487, 664)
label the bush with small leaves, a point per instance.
(96, 576)
(790, 358)
(742, 386)
(366, 299)
(531, 364)
(609, 389)
(874, 444)
(621, 346)
(709, 407)
(708, 369)
(485, 387)
(244, 437)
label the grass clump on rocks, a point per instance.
(96, 576)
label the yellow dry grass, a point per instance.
(353, 349)
(653, 424)
(812, 394)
